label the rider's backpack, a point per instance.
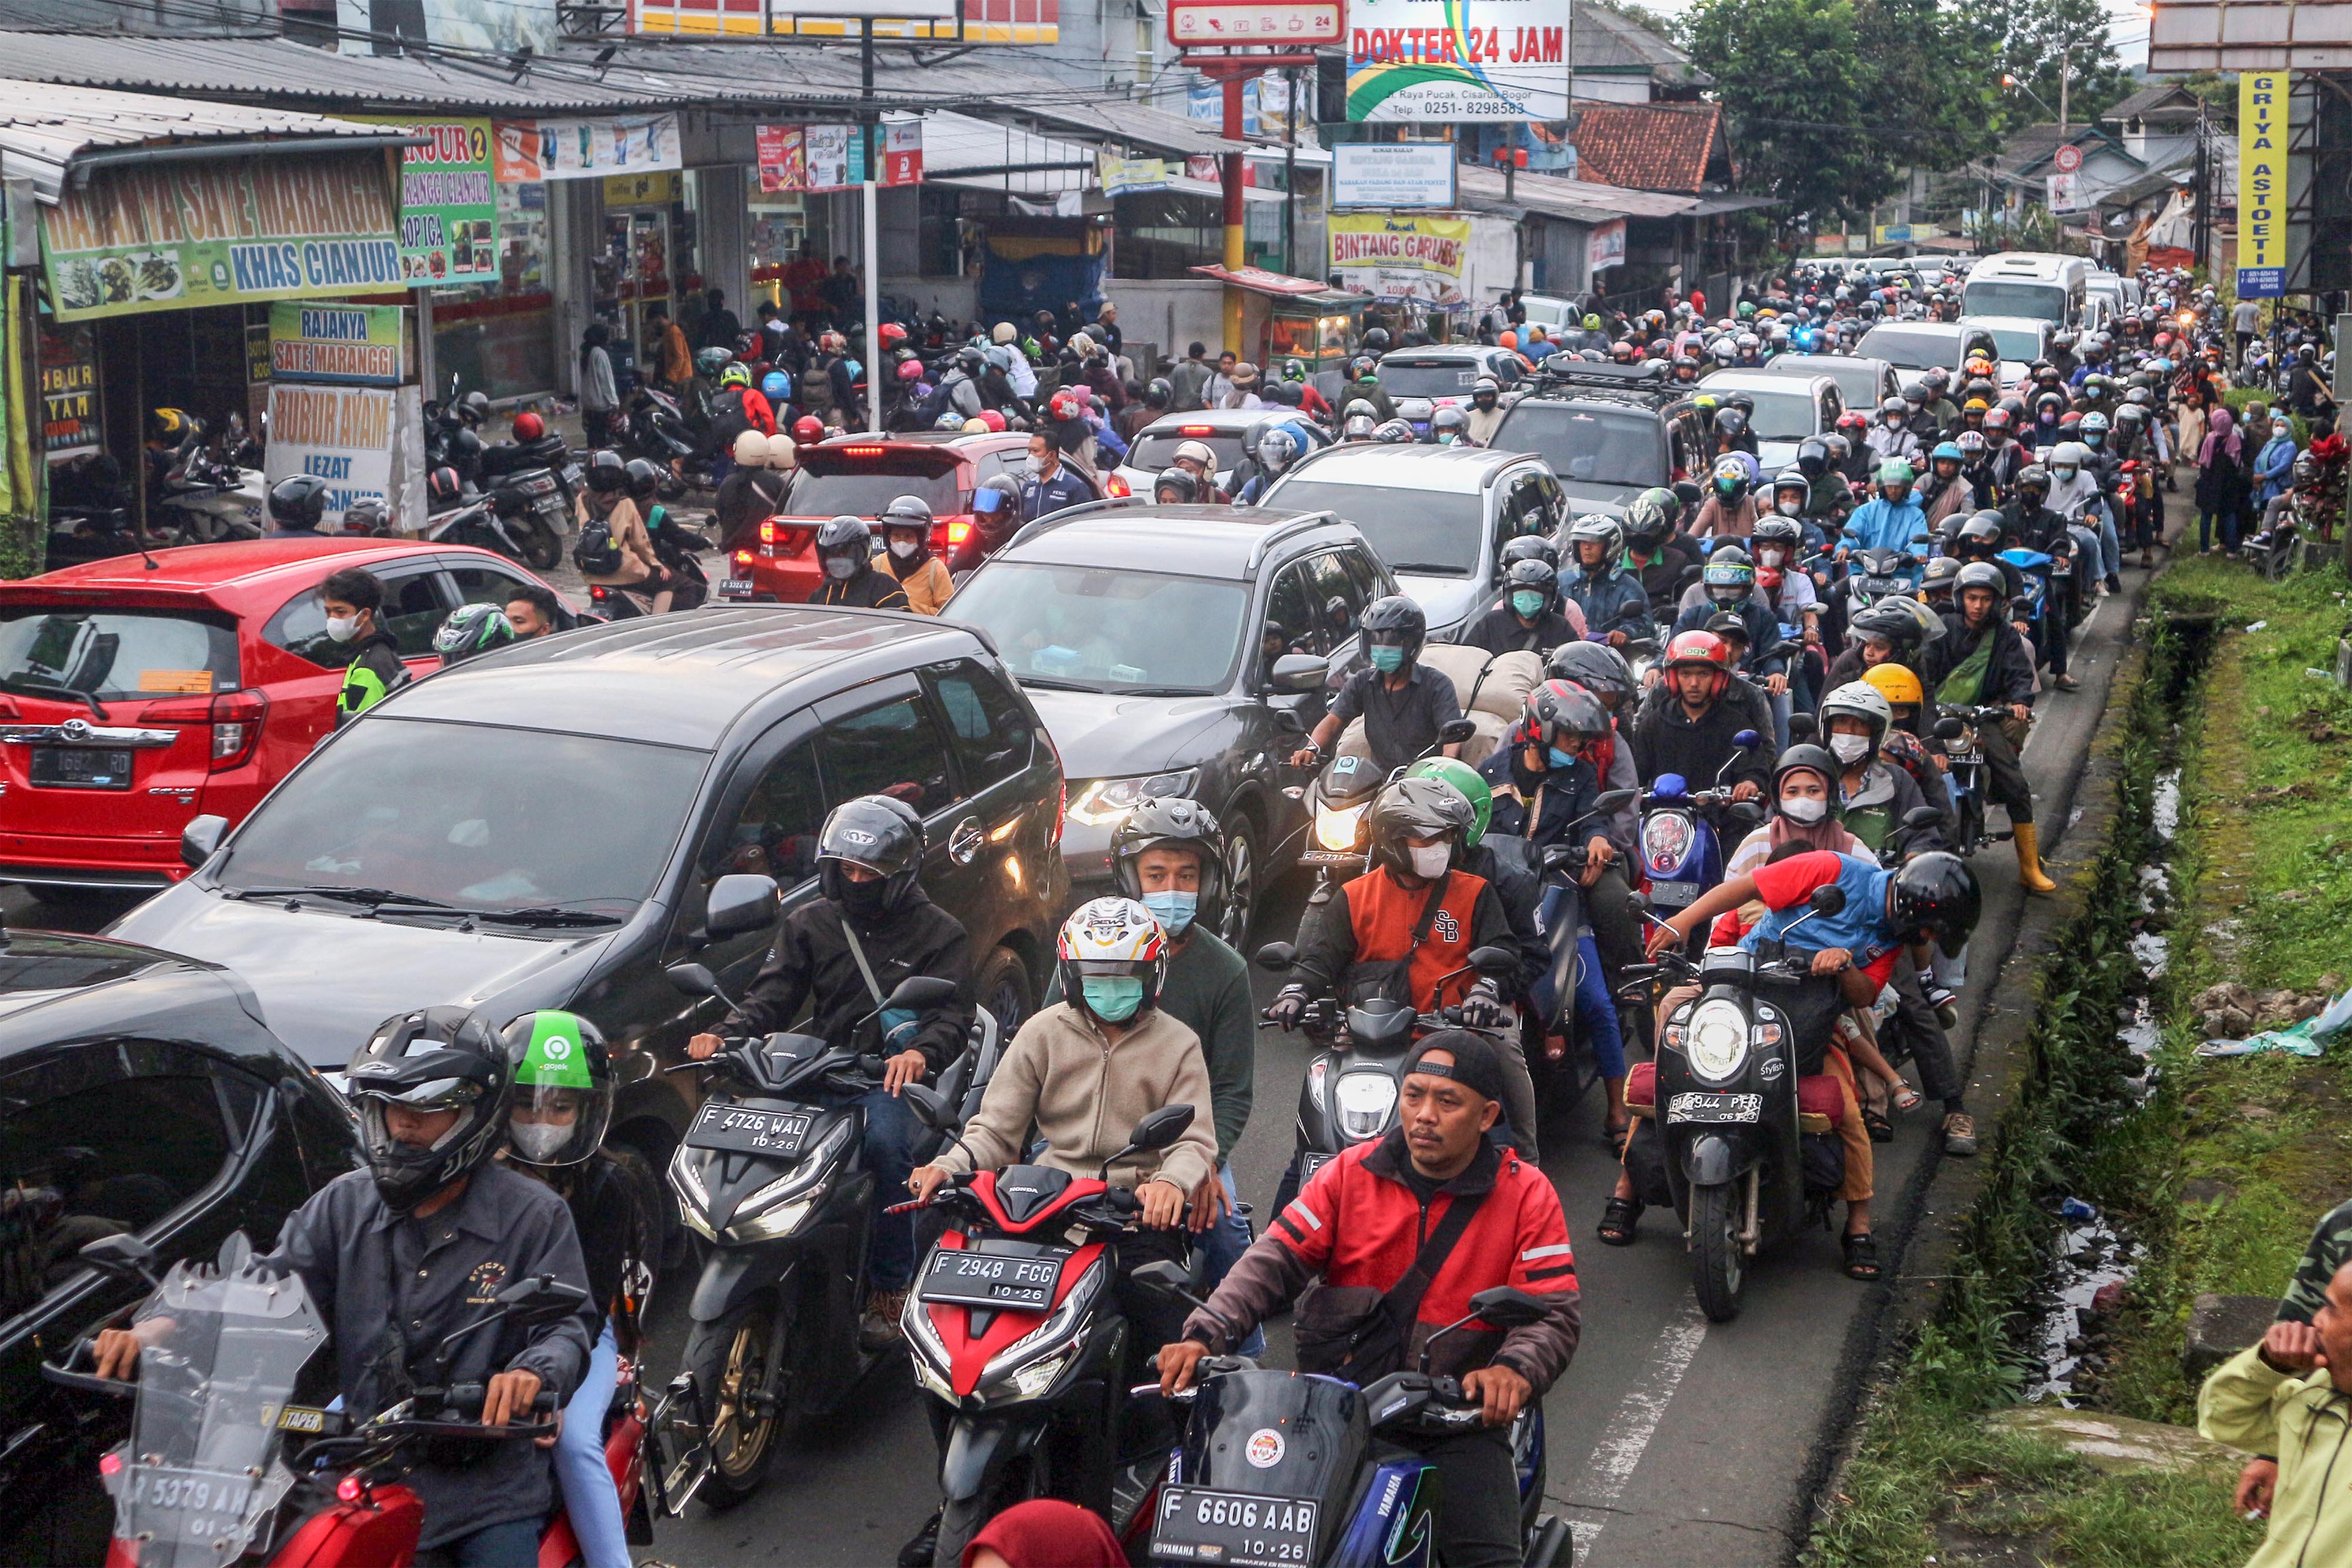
(597, 553)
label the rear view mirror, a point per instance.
(1276, 956)
(1455, 731)
(1827, 899)
(1746, 739)
(1801, 726)
(916, 992)
(1162, 1128)
(200, 838)
(739, 903)
(1922, 817)
(1297, 673)
(1505, 1307)
(1165, 1275)
(540, 1299)
(123, 1258)
(1748, 811)
(1494, 962)
(928, 1105)
(691, 979)
(1614, 800)
(1950, 728)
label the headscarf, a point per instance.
(2221, 439)
(1829, 833)
(1045, 1532)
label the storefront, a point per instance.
(1294, 318)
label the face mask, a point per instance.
(1559, 759)
(2062, 474)
(1174, 911)
(1112, 998)
(862, 898)
(1850, 747)
(342, 628)
(903, 548)
(1804, 809)
(840, 568)
(1787, 508)
(1429, 861)
(1388, 661)
(538, 1142)
(1527, 602)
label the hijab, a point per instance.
(2221, 439)
(1045, 1532)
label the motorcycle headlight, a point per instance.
(693, 1196)
(809, 1170)
(1337, 830)
(769, 1226)
(1031, 1382)
(1716, 1040)
(1105, 802)
(1365, 1102)
(1046, 1342)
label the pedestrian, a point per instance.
(843, 294)
(2189, 432)
(1105, 330)
(666, 349)
(2245, 319)
(1219, 391)
(599, 398)
(2223, 482)
(2285, 1399)
(719, 328)
(1188, 381)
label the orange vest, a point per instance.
(1384, 916)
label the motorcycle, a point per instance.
(1957, 728)
(477, 522)
(1340, 797)
(676, 546)
(1681, 842)
(657, 429)
(771, 1175)
(1246, 1484)
(208, 500)
(1015, 1329)
(1877, 574)
(1731, 1116)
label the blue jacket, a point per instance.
(1044, 497)
(1616, 603)
(2274, 466)
(1878, 524)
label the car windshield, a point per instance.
(459, 814)
(1857, 384)
(1428, 533)
(2017, 342)
(1428, 378)
(1156, 449)
(1910, 348)
(1106, 628)
(1587, 445)
(115, 654)
(2043, 301)
(1781, 415)
(863, 492)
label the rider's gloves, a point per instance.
(1482, 1009)
(1289, 1007)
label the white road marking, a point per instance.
(1627, 1437)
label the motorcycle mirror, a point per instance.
(1167, 1275)
(1801, 726)
(1922, 539)
(1827, 899)
(1276, 956)
(928, 1105)
(1297, 673)
(1556, 856)
(741, 902)
(916, 992)
(123, 1258)
(1922, 817)
(1614, 800)
(1690, 575)
(1162, 1128)
(693, 979)
(1948, 728)
(1504, 1307)
(540, 1299)
(1746, 739)
(1496, 962)
(200, 838)
(1455, 731)
(1748, 811)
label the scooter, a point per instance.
(1340, 797)
(655, 428)
(1282, 1469)
(771, 1175)
(210, 501)
(1681, 848)
(1875, 574)
(1015, 1329)
(1957, 728)
(524, 538)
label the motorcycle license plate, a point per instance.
(1308, 1164)
(1964, 756)
(1233, 1529)
(737, 1130)
(980, 1279)
(1714, 1108)
(1672, 894)
(734, 588)
(189, 1507)
(80, 767)
(1878, 585)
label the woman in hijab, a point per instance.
(1045, 1533)
(2222, 482)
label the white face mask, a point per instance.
(1805, 809)
(903, 548)
(1429, 861)
(1850, 747)
(536, 1142)
(342, 628)
(840, 568)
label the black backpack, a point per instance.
(597, 553)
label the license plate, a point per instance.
(1672, 894)
(1714, 1108)
(187, 1506)
(1308, 1164)
(81, 768)
(735, 1130)
(1235, 1529)
(1882, 585)
(973, 1279)
(735, 588)
(1964, 756)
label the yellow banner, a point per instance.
(2261, 185)
(1399, 258)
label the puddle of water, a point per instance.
(2091, 1257)
(2164, 804)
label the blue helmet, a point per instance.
(776, 387)
(1951, 449)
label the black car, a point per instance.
(547, 826)
(1610, 432)
(140, 1093)
(1178, 650)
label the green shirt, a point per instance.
(1208, 991)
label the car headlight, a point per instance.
(1366, 1100)
(1338, 829)
(1105, 802)
(1716, 1041)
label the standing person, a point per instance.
(1219, 391)
(1106, 332)
(844, 293)
(2245, 320)
(719, 328)
(907, 525)
(805, 279)
(666, 349)
(353, 602)
(2222, 483)
(1051, 486)
(1188, 381)
(2284, 1398)
(600, 398)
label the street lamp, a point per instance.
(2018, 82)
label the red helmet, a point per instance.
(1703, 648)
(808, 430)
(893, 334)
(529, 427)
(1067, 406)
(994, 419)
(911, 372)
(2072, 416)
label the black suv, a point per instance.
(140, 1093)
(548, 826)
(1178, 650)
(1610, 432)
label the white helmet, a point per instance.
(1199, 452)
(2070, 453)
(1112, 940)
(1857, 699)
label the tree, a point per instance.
(1793, 84)
(1933, 98)
(2042, 43)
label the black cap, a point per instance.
(1477, 1065)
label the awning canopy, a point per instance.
(1279, 285)
(1547, 195)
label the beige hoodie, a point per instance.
(1085, 1095)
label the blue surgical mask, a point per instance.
(1174, 911)
(1388, 661)
(1560, 758)
(1112, 998)
(1527, 602)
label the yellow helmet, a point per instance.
(1896, 682)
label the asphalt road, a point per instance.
(1673, 1441)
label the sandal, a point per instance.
(1617, 1137)
(1874, 1122)
(1619, 1216)
(1907, 1098)
(1860, 1255)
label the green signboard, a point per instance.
(339, 345)
(448, 204)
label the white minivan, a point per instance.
(2028, 283)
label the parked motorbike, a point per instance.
(655, 428)
(1682, 837)
(521, 536)
(208, 500)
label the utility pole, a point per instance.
(2065, 79)
(868, 122)
(1233, 83)
(1290, 173)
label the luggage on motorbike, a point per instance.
(596, 553)
(1502, 687)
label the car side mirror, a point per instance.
(1298, 674)
(1494, 962)
(200, 838)
(538, 1299)
(691, 979)
(1455, 731)
(741, 902)
(1827, 899)
(1160, 1128)
(1276, 956)
(123, 1258)
(1950, 728)
(1505, 1307)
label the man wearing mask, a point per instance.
(1528, 620)
(353, 602)
(2073, 486)
(844, 549)
(1614, 602)
(1404, 704)
(1050, 487)
(1486, 411)
(1892, 519)
(907, 525)
(1980, 661)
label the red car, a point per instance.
(857, 475)
(133, 698)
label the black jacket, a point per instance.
(811, 963)
(869, 589)
(2009, 678)
(1666, 740)
(1500, 630)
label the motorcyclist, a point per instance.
(1529, 619)
(1892, 435)
(1893, 519)
(1402, 702)
(1616, 601)
(471, 629)
(841, 954)
(1944, 492)
(613, 547)
(907, 524)
(431, 1090)
(1874, 794)
(1981, 661)
(1277, 450)
(1730, 510)
(1387, 1199)
(1486, 411)
(844, 550)
(352, 602)
(2073, 487)
(1685, 726)
(1652, 556)
(298, 504)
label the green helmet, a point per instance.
(1896, 471)
(471, 629)
(1466, 781)
(1591, 322)
(562, 1088)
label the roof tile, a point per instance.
(1647, 146)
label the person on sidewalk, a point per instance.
(2290, 1399)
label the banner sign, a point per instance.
(2261, 185)
(527, 150)
(448, 206)
(833, 157)
(1133, 176)
(346, 345)
(1396, 256)
(2063, 193)
(902, 153)
(69, 417)
(779, 153)
(1458, 60)
(1606, 245)
(343, 436)
(1394, 174)
(176, 236)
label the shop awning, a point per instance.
(1279, 285)
(1729, 202)
(1548, 196)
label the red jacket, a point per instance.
(1358, 1223)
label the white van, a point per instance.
(2028, 283)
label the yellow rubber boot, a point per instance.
(2029, 860)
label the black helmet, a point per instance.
(1534, 575)
(1774, 528)
(1978, 538)
(1730, 422)
(1418, 808)
(471, 629)
(644, 479)
(1159, 394)
(1808, 758)
(1888, 622)
(443, 488)
(1935, 894)
(1556, 709)
(438, 1059)
(908, 512)
(1176, 487)
(1394, 622)
(1173, 822)
(1981, 574)
(298, 501)
(2034, 476)
(883, 834)
(474, 407)
(1814, 457)
(1651, 517)
(1376, 340)
(1531, 546)
(844, 538)
(563, 1072)
(608, 473)
(1597, 667)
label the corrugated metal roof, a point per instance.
(44, 127)
(1579, 201)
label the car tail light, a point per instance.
(1198, 430)
(1117, 488)
(236, 720)
(958, 533)
(778, 538)
(598, 592)
(744, 560)
(860, 451)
